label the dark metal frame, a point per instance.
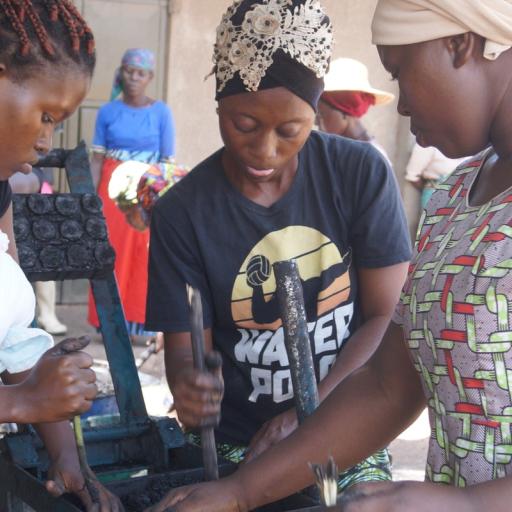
(137, 439)
(156, 444)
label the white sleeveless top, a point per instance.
(20, 345)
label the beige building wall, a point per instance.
(192, 34)
(191, 97)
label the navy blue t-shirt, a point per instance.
(5, 196)
(342, 212)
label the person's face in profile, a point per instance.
(443, 89)
(331, 120)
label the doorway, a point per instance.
(117, 25)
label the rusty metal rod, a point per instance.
(146, 354)
(82, 459)
(296, 337)
(211, 469)
(290, 298)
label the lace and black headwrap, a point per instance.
(263, 44)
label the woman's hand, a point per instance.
(271, 433)
(64, 476)
(158, 340)
(404, 497)
(60, 386)
(197, 397)
(133, 216)
(225, 495)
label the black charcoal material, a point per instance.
(71, 230)
(67, 205)
(79, 256)
(91, 203)
(104, 254)
(96, 229)
(44, 230)
(27, 256)
(61, 236)
(138, 494)
(39, 204)
(21, 229)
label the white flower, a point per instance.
(263, 20)
(241, 53)
(122, 187)
(4, 242)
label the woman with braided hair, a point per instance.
(449, 345)
(47, 58)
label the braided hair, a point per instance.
(35, 33)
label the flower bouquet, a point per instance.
(140, 185)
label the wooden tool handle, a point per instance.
(201, 363)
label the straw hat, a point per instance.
(352, 75)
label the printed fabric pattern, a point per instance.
(375, 468)
(456, 314)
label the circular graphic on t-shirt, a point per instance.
(323, 270)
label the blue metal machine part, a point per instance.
(137, 440)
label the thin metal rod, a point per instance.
(82, 458)
(211, 469)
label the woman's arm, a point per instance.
(64, 474)
(379, 292)
(99, 143)
(58, 387)
(9, 409)
(363, 414)
(426, 497)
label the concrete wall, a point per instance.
(192, 33)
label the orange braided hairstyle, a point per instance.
(33, 32)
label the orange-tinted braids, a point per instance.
(47, 24)
(15, 18)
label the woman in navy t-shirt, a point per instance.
(276, 191)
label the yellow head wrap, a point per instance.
(398, 22)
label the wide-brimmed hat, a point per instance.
(352, 75)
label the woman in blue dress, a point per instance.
(134, 127)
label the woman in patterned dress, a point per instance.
(449, 346)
